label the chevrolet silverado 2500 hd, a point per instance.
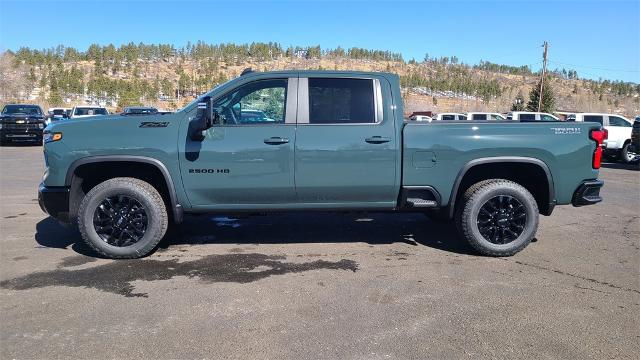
(332, 141)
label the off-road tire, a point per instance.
(466, 216)
(141, 191)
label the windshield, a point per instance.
(90, 111)
(22, 109)
(59, 112)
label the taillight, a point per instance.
(599, 136)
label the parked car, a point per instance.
(618, 144)
(526, 116)
(450, 116)
(485, 116)
(56, 114)
(320, 150)
(86, 111)
(421, 118)
(139, 110)
(21, 122)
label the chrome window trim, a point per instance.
(303, 101)
(292, 101)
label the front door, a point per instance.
(346, 144)
(246, 159)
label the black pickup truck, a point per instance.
(21, 122)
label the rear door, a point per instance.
(246, 159)
(346, 148)
(619, 130)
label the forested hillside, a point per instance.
(166, 76)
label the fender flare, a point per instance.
(176, 208)
(501, 159)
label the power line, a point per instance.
(594, 68)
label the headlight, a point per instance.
(51, 137)
(41, 126)
(0, 126)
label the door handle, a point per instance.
(377, 140)
(276, 140)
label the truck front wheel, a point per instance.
(497, 217)
(122, 218)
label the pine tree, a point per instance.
(548, 100)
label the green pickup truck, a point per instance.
(312, 140)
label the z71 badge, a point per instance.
(567, 131)
(208, 171)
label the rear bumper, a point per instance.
(54, 201)
(588, 193)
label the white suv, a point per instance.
(527, 116)
(619, 129)
(485, 116)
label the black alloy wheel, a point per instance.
(502, 219)
(120, 220)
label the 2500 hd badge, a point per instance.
(208, 171)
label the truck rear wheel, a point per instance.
(497, 217)
(626, 153)
(122, 218)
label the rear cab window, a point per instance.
(341, 101)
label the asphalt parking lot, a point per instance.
(321, 285)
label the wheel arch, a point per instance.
(176, 208)
(546, 206)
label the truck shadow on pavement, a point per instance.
(286, 228)
(119, 277)
(317, 227)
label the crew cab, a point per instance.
(332, 141)
(531, 116)
(618, 144)
(21, 122)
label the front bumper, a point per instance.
(21, 135)
(54, 201)
(588, 193)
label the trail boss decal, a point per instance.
(208, 171)
(566, 131)
(153, 124)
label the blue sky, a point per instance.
(596, 38)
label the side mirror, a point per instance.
(205, 118)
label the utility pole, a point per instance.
(544, 72)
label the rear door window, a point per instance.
(341, 101)
(448, 117)
(479, 117)
(618, 121)
(527, 117)
(593, 118)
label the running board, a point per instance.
(424, 197)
